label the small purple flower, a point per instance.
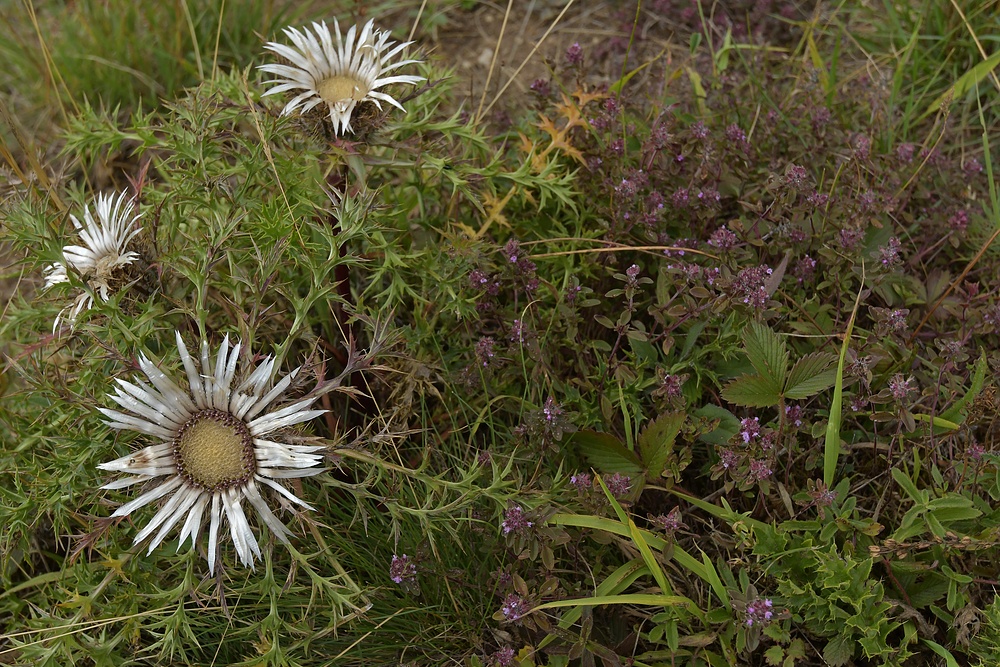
(681, 198)
(749, 286)
(618, 484)
(896, 319)
(959, 220)
(976, 451)
(723, 239)
(900, 387)
(574, 54)
(504, 657)
(541, 87)
(850, 238)
(699, 131)
(402, 569)
(514, 607)
(818, 199)
(484, 351)
(972, 166)
(821, 116)
(669, 523)
(728, 459)
(796, 177)
(759, 612)
(735, 135)
(515, 521)
(793, 413)
(478, 279)
(518, 332)
(888, 254)
(759, 470)
(905, 152)
(670, 387)
(581, 481)
(749, 428)
(862, 146)
(804, 269)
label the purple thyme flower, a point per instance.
(793, 413)
(574, 54)
(581, 481)
(759, 612)
(541, 87)
(888, 254)
(669, 523)
(850, 238)
(484, 351)
(749, 286)
(514, 607)
(618, 484)
(759, 470)
(515, 521)
(749, 428)
(905, 152)
(402, 569)
(723, 239)
(504, 657)
(900, 387)
(804, 269)
(796, 176)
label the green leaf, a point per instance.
(949, 659)
(616, 582)
(956, 413)
(606, 453)
(831, 445)
(838, 650)
(918, 497)
(810, 375)
(752, 391)
(637, 539)
(646, 599)
(964, 83)
(729, 424)
(767, 352)
(656, 441)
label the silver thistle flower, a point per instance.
(218, 447)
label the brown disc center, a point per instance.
(341, 89)
(214, 450)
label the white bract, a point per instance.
(219, 445)
(102, 254)
(338, 71)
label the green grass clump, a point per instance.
(693, 367)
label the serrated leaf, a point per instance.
(606, 453)
(810, 375)
(767, 352)
(656, 441)
(838, 651)
(752, 391)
